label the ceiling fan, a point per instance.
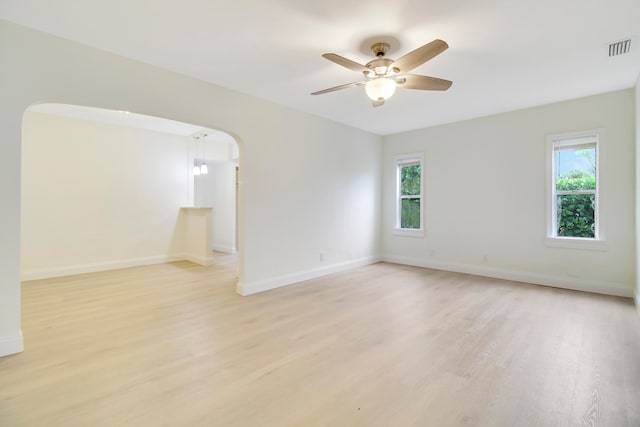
(382, 75)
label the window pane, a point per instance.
(410, 180)
(575, 168)
(576, 215)
(410, 215)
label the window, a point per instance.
(575, 187)
(409, 207)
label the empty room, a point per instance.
(411, 213)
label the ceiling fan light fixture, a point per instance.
(382, 75)
(381, 70)
(380, 88)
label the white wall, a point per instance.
(485, 196)
(196, 225)
(637, 158)
(306, 184)
(98, 196)
(218, 190)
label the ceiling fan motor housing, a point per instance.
(379, 67)
(380, 49)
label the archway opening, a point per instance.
(104, 189)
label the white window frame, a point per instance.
(594, 136)
(400, 161)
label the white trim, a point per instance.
(224, 248)
(573, 283)
(409, 232)
(197, 259)
(294, 278)
(11, 344)
(576, 243)
(47, 273)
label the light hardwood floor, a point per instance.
(383, 345)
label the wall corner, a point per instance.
(11, 344)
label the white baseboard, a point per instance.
(224, 248)
(573, 283)
(197, 259)
(11, 344)
(290, 279)
(98, 266)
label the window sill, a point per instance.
(408, 232)
(576, 243)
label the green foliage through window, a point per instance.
(410, 217)
(410, 180)
(410, 206)
(575, 180)
(576, 212)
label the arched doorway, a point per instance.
(106, 189)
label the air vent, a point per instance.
(619, 48)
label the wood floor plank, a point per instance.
(381, 345)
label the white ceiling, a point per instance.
(503, 54)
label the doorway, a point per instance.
(216, 158)
(102, 189)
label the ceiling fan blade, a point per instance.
(332, 89)
(414, 81)
(347, 63)
(419, 56)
